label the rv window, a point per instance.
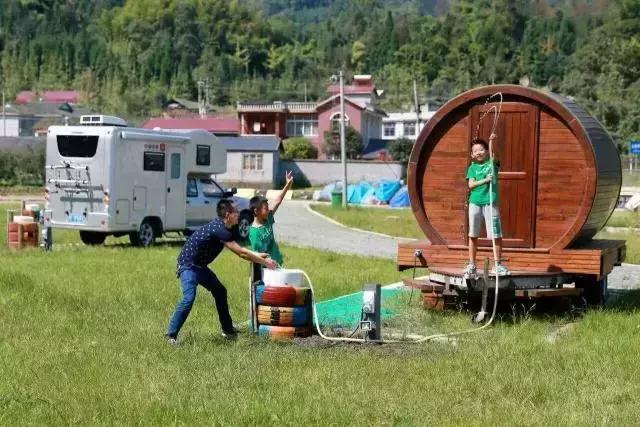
(77, 145)
(153, 161)
(203, 155)
(175, 165)
(192, 188)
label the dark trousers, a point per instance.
(190, 278)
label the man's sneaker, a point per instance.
(171, 340)
(470, 270)
(500, 271)
(231, 334)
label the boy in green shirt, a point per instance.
(482, 171)
(261, 231)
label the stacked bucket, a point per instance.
(282, 307)
(22, 230)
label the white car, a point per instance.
(203, 195)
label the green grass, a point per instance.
(624, 219)
(394, 222)
(22, 190)
(630, 179)
(81, 342)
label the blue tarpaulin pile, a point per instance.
(386, 189)
(400, 199)
(366, 193)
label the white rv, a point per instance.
(105, 178)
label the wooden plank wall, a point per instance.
(444, 190)
(562, 174)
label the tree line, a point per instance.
(131, 56)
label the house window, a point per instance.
(335, 122)
(410, 129)
(302, 126)
(252, 162)
(153, 161)
(389, 129)
(203, 155)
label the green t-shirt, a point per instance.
(480, 195)
(262, 239)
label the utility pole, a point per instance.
(417, 107)
(4, 116)
(202, 111)
(305, 91)
(343, 145)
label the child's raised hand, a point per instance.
(289, 177)
(492, 136)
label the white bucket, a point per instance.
(19, 219)
(283, 277)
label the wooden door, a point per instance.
(516, 148)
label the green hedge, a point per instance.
(22, 167)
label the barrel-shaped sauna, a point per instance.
(559, 181)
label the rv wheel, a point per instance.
(145, 236)
(92, 237)
(244, 222)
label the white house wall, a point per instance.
(235, 173)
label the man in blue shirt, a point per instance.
(200, 249)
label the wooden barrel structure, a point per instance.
(559, 182)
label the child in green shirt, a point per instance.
(261, 231)
(483, 205)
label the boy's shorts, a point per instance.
(479, 213)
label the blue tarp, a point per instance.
(386, 189)
(400, 199)
(357, 192)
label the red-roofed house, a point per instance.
(60, 96)
(215, 125)
(312, 119)
(25, 97)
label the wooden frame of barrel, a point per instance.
(560, 179)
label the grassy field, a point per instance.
(624, 219)
(81, 342)
(394, 222)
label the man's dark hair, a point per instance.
(224, 207)
(256, 202)
(481, 142)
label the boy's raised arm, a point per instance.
(286, 188)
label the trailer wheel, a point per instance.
(92, 237)
(145, 236)
(245, 219)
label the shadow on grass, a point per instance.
(623, 300)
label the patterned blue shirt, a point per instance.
(204, 245)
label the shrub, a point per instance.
(299, 148)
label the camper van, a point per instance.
(106, 178)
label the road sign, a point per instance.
(634, 147)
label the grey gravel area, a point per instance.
(297, 226)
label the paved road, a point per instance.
(297, 226)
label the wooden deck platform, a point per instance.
(596, 258)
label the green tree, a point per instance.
(353, 143)
(299, 148)
(400, 149)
